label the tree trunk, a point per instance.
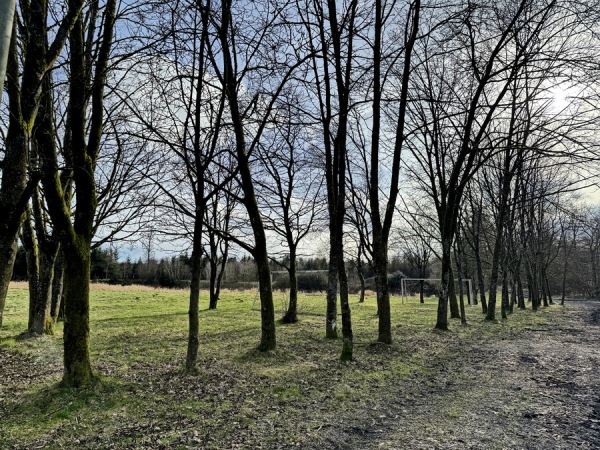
(291, 315)
(513, 296)
(543, 288)
(267, 309)
(520, 294)
(260, 253)
(42, 321)
(463, 313)
(332, 284)
(8, 253)
(383, 292)
(193, 319)
(57, 289)
(547, 283)
(33, 270)
(505, 299)
(13, 185)
(77, 368)
(347, 345)
(481, 282)
(217, 269)
(361, 279)
(214, 299)
(422, 291)
(442, 311)
(452, 300)
(533, 289)
(498, 243)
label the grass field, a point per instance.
(295, 396)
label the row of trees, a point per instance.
(254, 124)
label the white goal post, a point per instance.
(403, 281)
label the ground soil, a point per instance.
(532, 388)
(539, 389)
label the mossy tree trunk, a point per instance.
(32, 260)
(41, 253)
(13, 193)
(76, 230)
(24, 94)
(41, 246)
(57, 308)
(77, 367)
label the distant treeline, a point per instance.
(240, 273)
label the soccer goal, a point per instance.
(403, 282)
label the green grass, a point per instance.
(142, 399)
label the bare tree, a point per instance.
(255, 54)
(76, 237)
(290, 192)
(25, 87)
(463, 80)
(381, 226)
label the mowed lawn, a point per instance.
(297, 396)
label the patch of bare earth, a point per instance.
(537, 389)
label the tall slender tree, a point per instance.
(87, 83)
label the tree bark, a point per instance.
(380, 260)
(442, 311)
(291, 315)
(505, 298)
(24, 101)
(347, 337)
(193, 318)
(77, 368)
(7, 13)
(332, 291)
(361, 279)
(452, 299)
(260, 253)
(57, 308)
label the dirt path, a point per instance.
(538, 390)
